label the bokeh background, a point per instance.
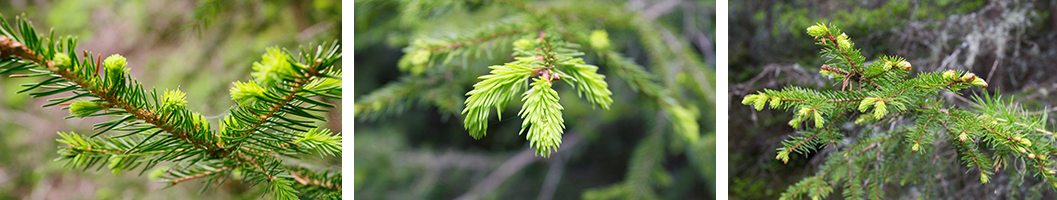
(1009, 43)
(198, 46)
(421, 151)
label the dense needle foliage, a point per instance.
(906, 122)
(484, 91)
(272, 121)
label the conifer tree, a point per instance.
(905, 124)
(152, 131)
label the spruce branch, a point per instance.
(547, 59)
(426, 53)
(987, 137)
(159, 128)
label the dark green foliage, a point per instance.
(151, 130)
(993, 135)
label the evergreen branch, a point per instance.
(185, 135)
(106, 94)
(1003, 127)
(422, 52)
(684, 120)
(307, 180)
(547, 59)
(274, 108)
(495, 90)
(589, 82)
(398, 97)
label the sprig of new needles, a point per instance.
(542, 60)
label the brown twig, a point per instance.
(207, 173)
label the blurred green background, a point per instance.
(197, 46)
(1009, 43)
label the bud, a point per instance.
(866, 103)
(962, 137)
(795, 122)
(420, 57)
(1022, 150)
(83, 108)
(174, 98)
(844, 44)
(1052, 172)
(968, 77)
(1025, 142)
(61, 60)
(979, 82)
(749, 99)
(818, 30)
(949, 74)
(914, 148)
(523, 44)
(904, 65)
(599, 40)
(1031, 155)
(760, 101)
(804, 111)
(243, 92)
(114, 62)
(879, 110)
(825, 72)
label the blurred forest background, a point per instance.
(1009, 43)
(197, 46)
(415, 149)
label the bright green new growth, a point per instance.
(542, 111)
(883, 92)
(273, 120)
(546, 59)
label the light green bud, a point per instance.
(904, 65)
(949, 74)
(844, 44)
(599, 40)
(523, 44)
(61, 60)
(243, 92)
(175, 97)
(979, 82)
(83, 108)
(818, 30)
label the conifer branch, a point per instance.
(160, 127)
(1001, 128)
